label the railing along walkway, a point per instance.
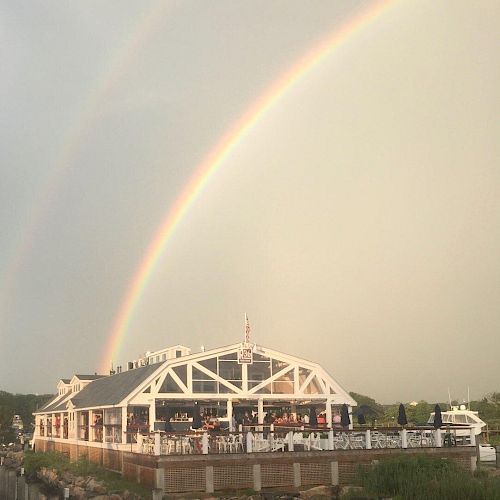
(265, 439)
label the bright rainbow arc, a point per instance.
(213, 161)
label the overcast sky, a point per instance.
(358, 224)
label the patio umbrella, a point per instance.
(313, 419)
(361, 419)
(345, 421)
(197, 423)
(438, 419)
(402, 420)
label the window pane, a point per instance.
(264, 390)
(259, 371)
(199, 375)
(181, 372)
(259, 357)
(210, 364)
(170, 385)
(229, 370)
(205, 386)
(231, 356)
(278, 365)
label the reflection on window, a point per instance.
(278, 365)
(282, 387)
(313, 387)
(264, 390)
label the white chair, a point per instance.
(315, 441)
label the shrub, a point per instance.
(427, 478)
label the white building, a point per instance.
(229, 383)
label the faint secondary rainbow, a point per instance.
(87, 117)
(214, 160)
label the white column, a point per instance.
(249, 441)
(260, 412)
(330, 439)
(329, 412)
(157, 446)
(124, 424)
(230, 414)
(351, 425)
(91, 426)
(152, 415)
(368, 439)
(404, 439)
(437, 437)
(472, 437)
(204, 443)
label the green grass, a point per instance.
(113, 481)
(428, 478)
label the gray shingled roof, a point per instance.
(113, 389)
(89, 377)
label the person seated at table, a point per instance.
(208, 425)
(321, 419)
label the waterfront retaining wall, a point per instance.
(177, 474)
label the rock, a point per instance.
(318, 491)
(79, 481)
(96, 487)
(77, 493)
(101, 497)
(115, 496)
(351, 489)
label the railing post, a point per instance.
(438, 438)
(271, 436)
(204, 444)
(290, 440)
(330, 439)
(404, 439)
(157, 445)
(249, 442)
(472, 437)
(368, 439)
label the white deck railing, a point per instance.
(259, 440)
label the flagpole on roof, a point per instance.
(247, 330)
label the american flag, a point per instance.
(247, 330)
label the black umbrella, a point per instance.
(197, 424)
(345, 421)
(402, 420)
(361, 419)
(438, 419)
(313, 419)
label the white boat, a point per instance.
(460, 419)
(487, 453)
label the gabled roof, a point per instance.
(107, 391)
(86, 377)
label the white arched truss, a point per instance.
(216, 375)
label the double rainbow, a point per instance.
(213, 162)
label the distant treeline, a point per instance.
(18, 404)
(488, 408)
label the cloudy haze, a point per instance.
(358, 224)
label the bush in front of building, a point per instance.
(56, 471)
(427, 478)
